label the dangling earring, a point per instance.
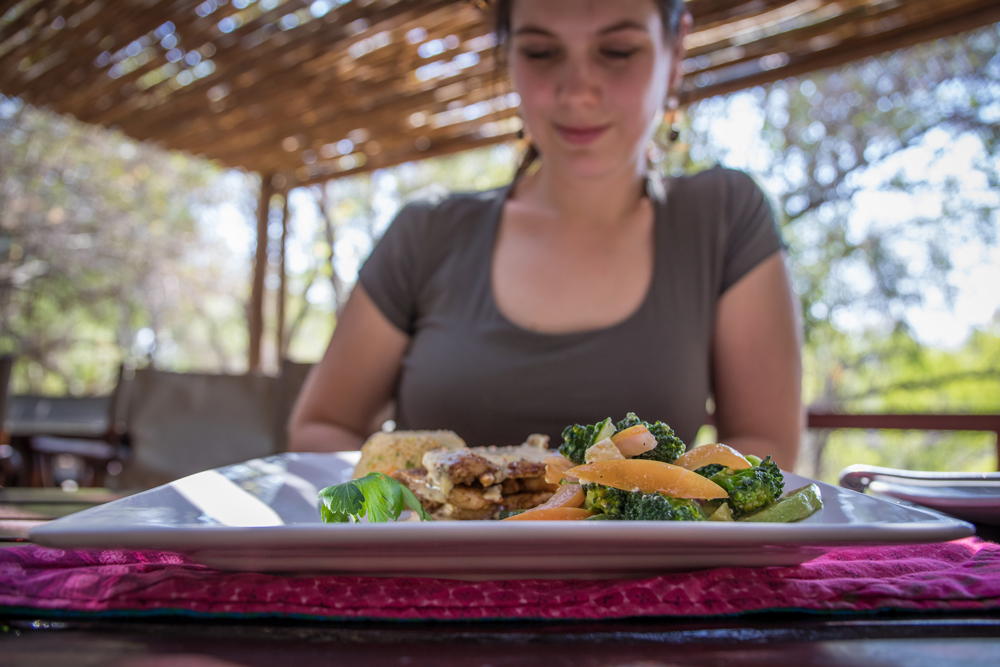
(670, 118)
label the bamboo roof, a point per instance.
(307, 90)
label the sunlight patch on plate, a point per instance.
(224, 501)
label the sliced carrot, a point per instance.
(648, 477)
(556, 467)
(568, 495)
(708, 454)
(552, 514)
(634, 440)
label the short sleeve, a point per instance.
(752, 234)
(391, 274)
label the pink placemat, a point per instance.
(962, 575)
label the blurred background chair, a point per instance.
(72, 462)
(72, 441)
(11, 462)
(182, 423)
(155, 427)
(6, 364)
(50, 440)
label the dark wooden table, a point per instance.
(768, 639)
(772, 640)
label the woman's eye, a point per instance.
(618, 54)
(539, 54)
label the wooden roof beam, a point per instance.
(846, 52)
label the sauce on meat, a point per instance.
(503, 462)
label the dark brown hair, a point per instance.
(671, 13)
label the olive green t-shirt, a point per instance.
(471, 370)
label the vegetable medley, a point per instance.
(630, 470)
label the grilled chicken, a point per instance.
(477, 483)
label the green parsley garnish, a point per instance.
(379, 496)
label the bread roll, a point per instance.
(400, 450)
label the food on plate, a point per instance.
(752, 488)
(375, 495)
(722, 513)
(481, 482)
(634, 440)
(624, 490)
(625, 505)
(648, 477)
(663, 483)
(556, 467)
(399, 450)
(552, 514)
(633, 470)
(605, 450)
(795, 506)
(718, 454)
(568, 497)
(578, 439)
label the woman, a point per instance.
(585, 289)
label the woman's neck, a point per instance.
(604, 201)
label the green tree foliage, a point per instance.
(885, 176)
(102, 258)
(859, 161)
(897, 374)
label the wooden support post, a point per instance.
(997, 434)
(282, 290)
(259, 272)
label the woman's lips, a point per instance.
(581, 135)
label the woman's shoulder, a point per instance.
(718, 196)
(714, 181)
(436, 210)
(434, 224)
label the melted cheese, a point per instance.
(439, 484)
(494, 494)
(501, 457)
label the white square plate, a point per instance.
(262, 516)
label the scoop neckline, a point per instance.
(657, 199)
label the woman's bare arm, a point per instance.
(757, 365)
(353, 382)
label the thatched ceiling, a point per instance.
(313, 89)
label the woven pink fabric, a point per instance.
(962, 575)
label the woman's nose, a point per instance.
(580, 82)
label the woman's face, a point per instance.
(593, 77)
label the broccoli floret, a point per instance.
(752, 488)
(710, 470)
(578, 439)
(658, 507)
(636, 506)
(629, 421)
(608, 500)
(668, 446)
